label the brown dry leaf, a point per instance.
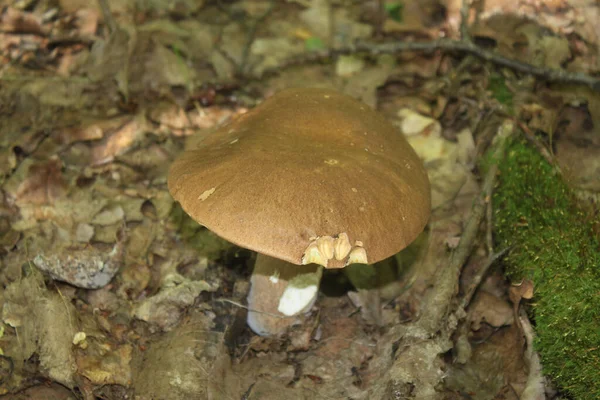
(105, 363)
(522, 290)
(44, 184)
(8, 45)
(16, 21)
(66, 213)
(416, 19)
(119, 141)
(577, 143)
(214, 116)
(170, 116)
(494, 364)
(338, 334)
(47, 391)
(544, 49)
(173, 120)
(573, 18)
(66, 64)
(491, 310)
(540, 118)
(87, 21)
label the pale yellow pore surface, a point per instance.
(275, 189)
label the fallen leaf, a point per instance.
(16, 21)
(491, 310)
(44, 184)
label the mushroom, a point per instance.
(310, 178)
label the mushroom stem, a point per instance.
(279, 292)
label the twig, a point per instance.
(246, 395)
(449, 45)
(331, 23)
(107, 15)
(479, 277)
(487, 55)
(240, 67)
(235, 303)
(489, 236)
(446, 281)
(534, 388)
(538, 144)
(464, 21)
(381, 17)
(251, 36)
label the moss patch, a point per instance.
(554, 246)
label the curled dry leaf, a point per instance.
(522, 290)
(119, 142)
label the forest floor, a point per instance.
(109, 290)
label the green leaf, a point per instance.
(394, 10)
(314, 43)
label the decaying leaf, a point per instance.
(164, 308)
(46, 323)
(43, 185)
(193, 364)
(487, 308)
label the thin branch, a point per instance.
(381, 17)
(487, 55)
(534, 388)
(252, 35)
(464, 21)
(107, 15)
(489, 211)
(437, 305)
(481, 273)
(538, 144)
(448, 45)
(235, 303)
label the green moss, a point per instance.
(500, 91)
(554, 246)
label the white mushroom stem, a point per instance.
(279, 293)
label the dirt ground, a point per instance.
(109, 290)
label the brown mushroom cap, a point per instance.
(302, 169)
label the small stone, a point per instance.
(84, 233)
(87, 268)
